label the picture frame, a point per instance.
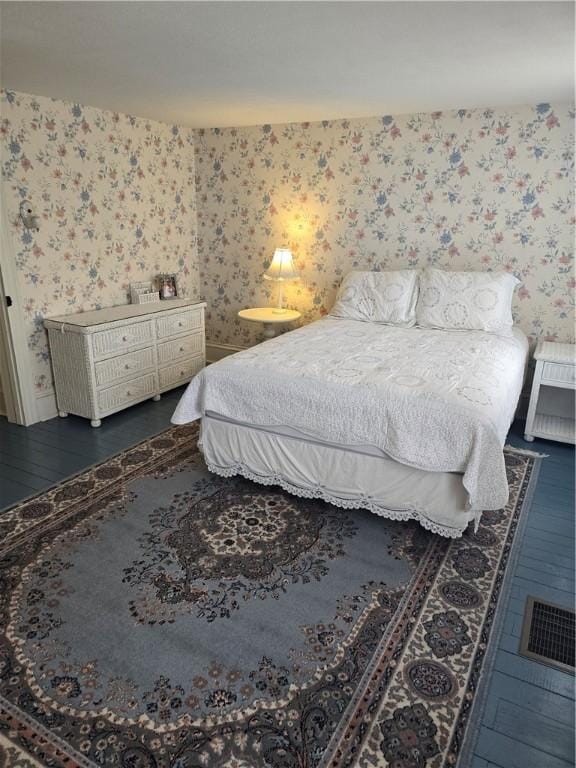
(168, 286)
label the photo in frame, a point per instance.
(168, 286)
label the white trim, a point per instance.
(14, 353)
(215, 352)
(46, 407)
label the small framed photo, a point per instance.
(168, 286)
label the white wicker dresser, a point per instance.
(109, 359)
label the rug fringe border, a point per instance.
(525, 452)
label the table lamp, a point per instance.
(280, 270)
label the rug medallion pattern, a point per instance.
(154, 615)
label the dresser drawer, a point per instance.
(181, 372)
(127, 365)
(186, 346)
(129, 392)
(180, 322)
(105, 343)
(559, 374)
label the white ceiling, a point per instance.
(245, 63)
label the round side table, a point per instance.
(270, 318)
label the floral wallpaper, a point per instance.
(115, 199)
(122, 198)
(470, 189)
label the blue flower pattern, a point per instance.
(116, 196)
(116, 200)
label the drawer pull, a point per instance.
(182, 373)
(124, 338)
(128, 393)
(127, 366)
(181, 349)
(179, 325)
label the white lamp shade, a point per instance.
(282, 267)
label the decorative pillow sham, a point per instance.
(474, 301)
(379, 297)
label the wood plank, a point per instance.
(11, 492)
(554, 463)
(80, 434)
(536, 729)
(494, 746)
(563, 516)
(552, 448)
(523, 588)
(544, 566)
(529, 575)
(512, 624)
(534, 673)
(517, 606)
(509, 643)
(564, 546)
(479, 762)
(49, 474)
(545, 522)
(531, 697)
(546, 498)
(557, 461)
(33, 482)
(559, 478)
(53, 459)
(557, 485)
(49, 441)
(546, 553)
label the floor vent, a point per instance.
(548, 634)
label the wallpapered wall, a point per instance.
(472, 189)
(116, 197)
(116, 201)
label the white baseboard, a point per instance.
(215, 352)
(46, 407)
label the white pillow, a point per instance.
(379, 297)
(477, 301)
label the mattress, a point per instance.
(440, 401)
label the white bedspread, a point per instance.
(437, 400)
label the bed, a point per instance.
(407, 422)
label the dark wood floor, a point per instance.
(529, 714)
(36, 457)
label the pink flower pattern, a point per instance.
(480, 189)
(121, 198)
(116, 203)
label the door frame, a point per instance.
(14, 354)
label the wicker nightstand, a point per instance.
(551, 411)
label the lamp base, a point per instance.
(279, 311)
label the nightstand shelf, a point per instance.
(551, 410)
(553, 428)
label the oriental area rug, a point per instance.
(153, 615)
